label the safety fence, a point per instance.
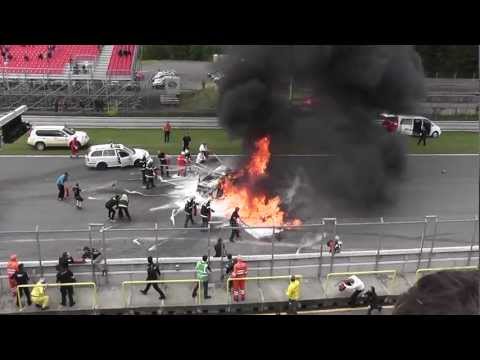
(393, 275)
(46, 285)
(126, 284)
(419, 273)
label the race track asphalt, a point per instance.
(28, 198)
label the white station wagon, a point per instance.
(42, 137)
(114, 155)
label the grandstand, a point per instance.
(69, 77)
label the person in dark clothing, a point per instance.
(219, 248)
(234, 222)
(40, 56)
(423, 136)
(143, 168)
(186, 142)
(189, 208)
(26, 58)
(228, 266)
(78, 198)
(150, 175)
(372, 300)
(163, 164)
(110, 204)
(65, 260)
(65, 276)
(153, 272)
(206, 214)
(95, 256)
(21, 278)
(120, 52)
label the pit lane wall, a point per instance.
(267, 294)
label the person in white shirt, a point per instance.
(204, 150)
(353, 283)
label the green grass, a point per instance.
(447, 143)
(150, 139)
(220, 143)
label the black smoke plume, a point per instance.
(350, 86)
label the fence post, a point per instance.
(104, 245)
(320, 259)
(37, 238)
(273, 249)
(208, 243)
(433, 241)
(156, 241)
(421, 243)
(380, 237)
(91, 247)
(471, 245)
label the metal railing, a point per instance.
(79, 284)
(420, 272)
(125, 284)
(256, 278)
(378, 272)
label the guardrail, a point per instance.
(79, 284)
(394, 272)
(419, 272)
(258, 278)
(140, 282)
(180, 122)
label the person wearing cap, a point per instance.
(39, 298)
(12, 268)
(21, 277)
(293, 294)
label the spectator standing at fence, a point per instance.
(21, 278)
(186, 142)
(61, 185)
(153, 273)
(12, 268)
(202, 268)
(65, 276)
(38, 295)
(229, 265)
(95, 257)
(293, 294)
(372, 301)
(65, 260)
(167, 128)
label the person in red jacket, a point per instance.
(240, 270)
(12, 268)
(74, 146)
(182, 163)
(166, 131)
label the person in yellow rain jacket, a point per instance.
(293, 293)
(39, 298)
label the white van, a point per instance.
(409, 124)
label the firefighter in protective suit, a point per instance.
(12, 268)
(240, 270)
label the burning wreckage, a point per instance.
(228, 189)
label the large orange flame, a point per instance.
(255, 209)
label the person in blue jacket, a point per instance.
(61, 185)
